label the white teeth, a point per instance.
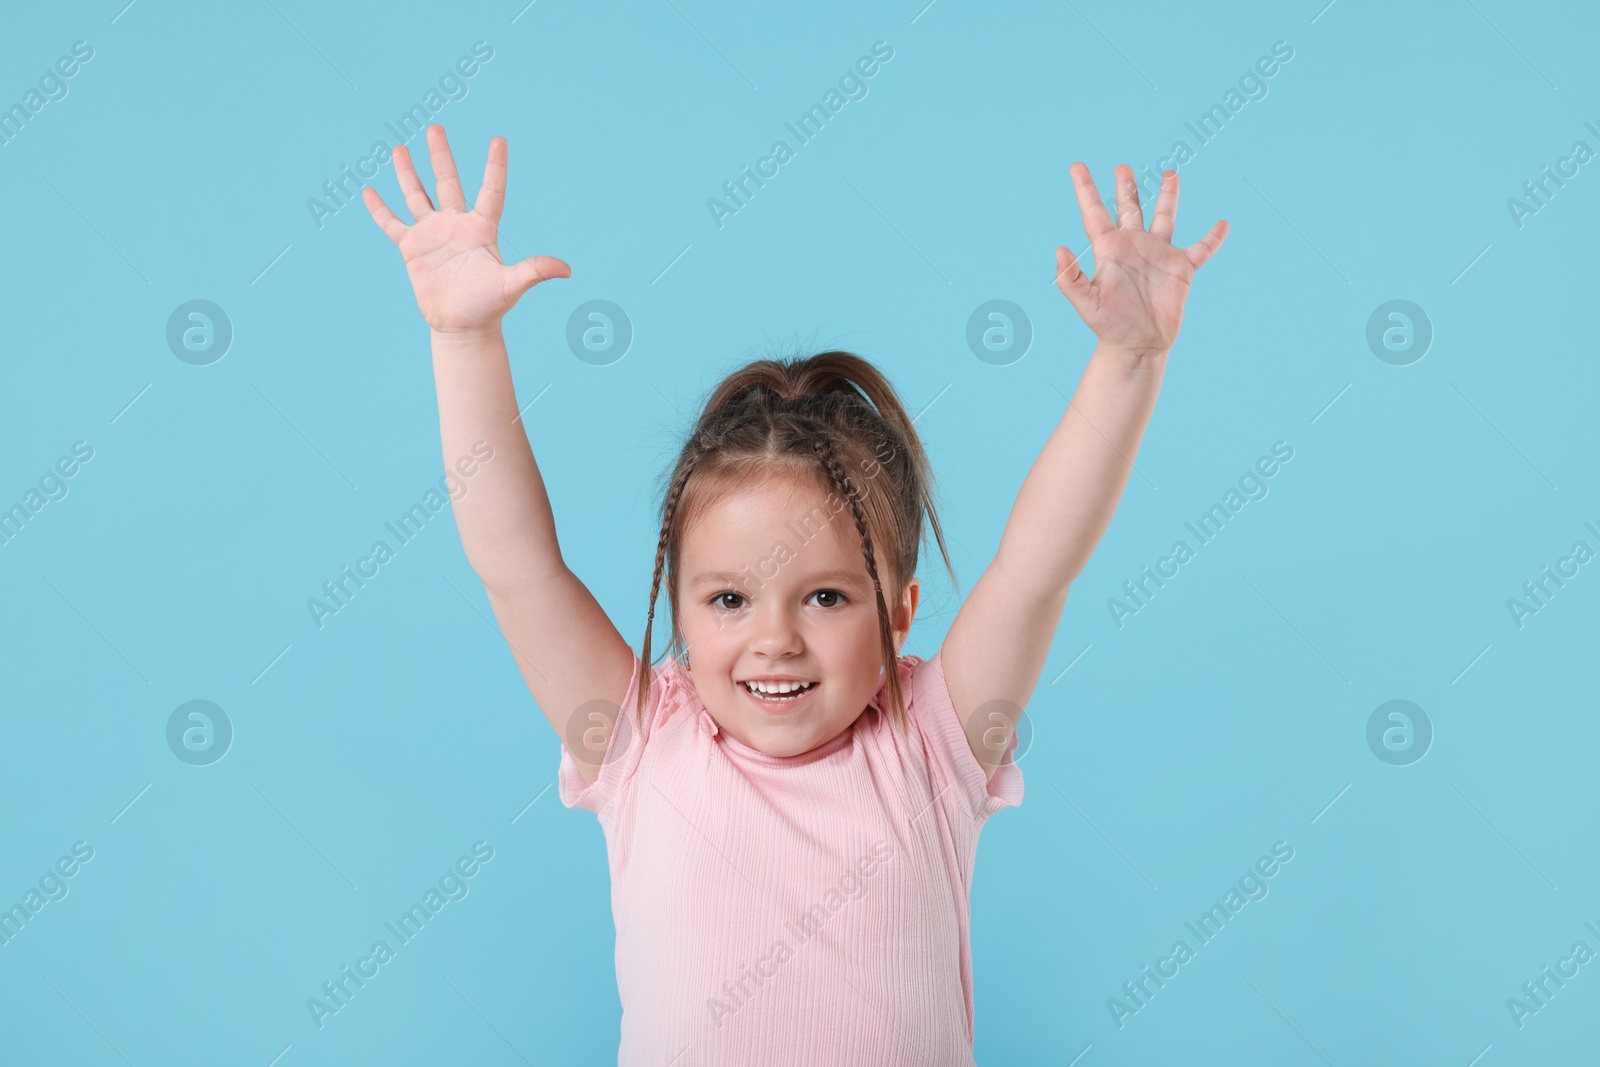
(778, 688)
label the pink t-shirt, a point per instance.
(808, 909)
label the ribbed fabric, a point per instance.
(809, 909)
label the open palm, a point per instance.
(1141, 279)
(451, 253)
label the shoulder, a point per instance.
(669, 692)
(945, 736)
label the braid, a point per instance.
(698, 446)
(824, 452)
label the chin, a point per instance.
(779, 743)
(783, 742)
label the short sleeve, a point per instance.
(946, 738)
(625, 746)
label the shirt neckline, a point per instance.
(754, 755)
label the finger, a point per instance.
(1070, 279)
(1207, 246)
(446, 182)
(1096, 219)
(386, 219)
(535, 269)
(416, 197)
(492, 194)
(1166, 206)
(1130, 216)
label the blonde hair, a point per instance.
(812, 419)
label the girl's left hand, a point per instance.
(1134, 302)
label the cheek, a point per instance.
(857, 663)
(710, 647)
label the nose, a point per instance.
(776, 636)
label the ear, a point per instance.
(901, 622)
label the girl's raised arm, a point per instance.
(566, 647)
(998, 642)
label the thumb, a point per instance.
(535, 269)
(1070, 279)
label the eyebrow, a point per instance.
(728, 578)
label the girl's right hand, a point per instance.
(460, 281)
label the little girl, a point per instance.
(791, 808)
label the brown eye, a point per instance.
(720, 600)
(838, 598)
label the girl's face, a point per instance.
(773, 584)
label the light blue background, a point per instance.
(1224, 717)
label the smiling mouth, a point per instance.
(780, 699)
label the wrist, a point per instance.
(1129, 355)
(455, 345)
(488, 331)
